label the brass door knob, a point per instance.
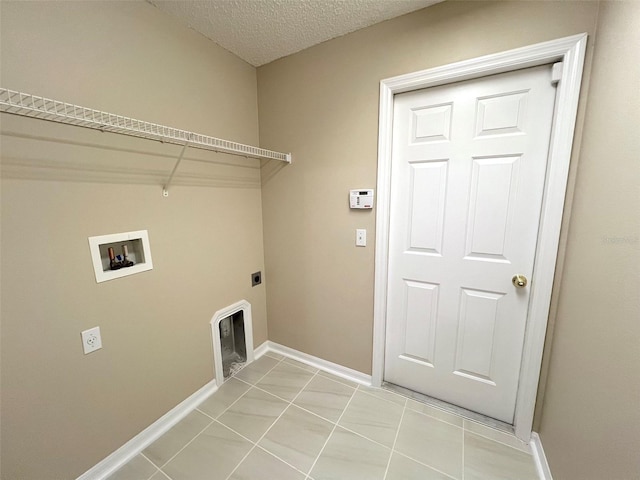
(519, 281)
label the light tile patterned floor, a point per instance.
(279, 419)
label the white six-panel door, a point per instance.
(468, 173)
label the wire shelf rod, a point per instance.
(27, 105)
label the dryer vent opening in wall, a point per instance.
(232, 334)
(233, 346)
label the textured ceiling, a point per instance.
(260, 31)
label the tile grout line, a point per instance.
(278, 458)
(299, 406)
(422, 412)
(212, 421)
(164, 473)
(266, 373)
(205, 413)
(331, 421)
(380, 397)
(224, 411)
(235, 431)
(436, 418)
(243, 393)
(256, 445)
(336, 422)
(497, 441)
(215, 420)
(271, 426)
(308, 477)
(187, 444)
(278, 396)
(431, 467)
(147, 459)
(395, 440)
(462, 476)
(314, 414)
(424, 464)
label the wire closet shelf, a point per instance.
(25, 104)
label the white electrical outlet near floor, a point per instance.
(91, 340)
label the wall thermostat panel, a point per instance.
(361, 198)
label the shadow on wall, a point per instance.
(270, 169)
(37, 150)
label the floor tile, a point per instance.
(297, 437)
(298, 364)
(432, 442)
(257, 369)
(228, 393)
(160, 451)
(496, 435)
(435, 412)
(372, 417)
(336, 378)
(403, 468)
(325, 397)
(285, 381)
(253, 414)
(275, 355)
(429, 442)
(138, 468)
(260, 465)
(349, 456)
(485, 459)
(384, 394)
(159, 476)
(212, 455)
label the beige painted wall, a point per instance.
(322, 104)
(590, 425)
(62, 412)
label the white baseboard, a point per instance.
(154, 431)
(261, 350)
(149, 435)
(320, 363)
(544, 472)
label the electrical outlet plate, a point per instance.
(91, 340)
(361, 237)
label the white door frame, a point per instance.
(571, 52)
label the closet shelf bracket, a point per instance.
(165, 188)
(27, 105)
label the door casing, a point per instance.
(571, 52)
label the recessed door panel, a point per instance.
(421, 311)
(501, 114)
(491, 204)
(477, 321)
(428, 189)
(431, 123)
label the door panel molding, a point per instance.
(571, 52)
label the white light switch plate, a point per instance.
(91, 340)
(361, 237)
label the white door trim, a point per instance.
(570, 51)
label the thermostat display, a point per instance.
(361, 198)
